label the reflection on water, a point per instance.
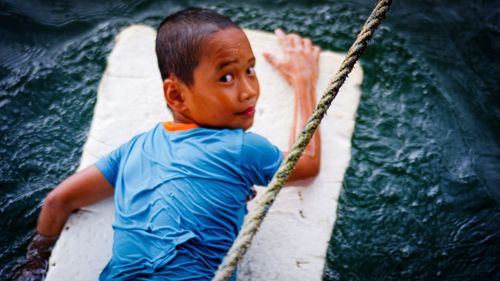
(421, 197)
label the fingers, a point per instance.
(288, 41)
(307, 43)
(281, 37)
(316, 51)
(300, 59)
(293, 41)
(271, 59)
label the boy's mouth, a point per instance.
(249, 112)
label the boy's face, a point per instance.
(225, 88)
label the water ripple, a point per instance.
(420, 200)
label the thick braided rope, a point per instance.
(254, 219)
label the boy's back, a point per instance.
(180, 196)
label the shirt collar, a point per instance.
(176, 127)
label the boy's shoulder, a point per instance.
(201, 134)
(211, 140)
(232, 137)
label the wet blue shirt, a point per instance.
(180, 198)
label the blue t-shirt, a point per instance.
(180, 198)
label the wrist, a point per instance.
(306, 75)
(303, 87)
(45, 239)
(41, 245)
(300, 80)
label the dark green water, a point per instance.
(421, 196)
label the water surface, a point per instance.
(421, 195)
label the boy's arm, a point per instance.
(300, 67)
(81, 189)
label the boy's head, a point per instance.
(207, 67)
(180, 40)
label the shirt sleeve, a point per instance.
(109, 164)
(260, 159)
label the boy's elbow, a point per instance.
(56, 203)
(311, 165)
(306, 168)
(312, 169)
(315, 169)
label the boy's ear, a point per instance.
(172, 91)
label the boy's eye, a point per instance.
(251, 70)
(226, 78)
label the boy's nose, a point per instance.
(249, 88)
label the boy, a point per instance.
(180, 190)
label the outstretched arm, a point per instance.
(81, 189)
(300, 67)
(84, 188)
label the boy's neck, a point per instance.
(180, 119)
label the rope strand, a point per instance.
(254, 219)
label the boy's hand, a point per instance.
(37, 258)
(300, 62)
(81, 189)
(300, 67)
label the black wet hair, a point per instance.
(180, 38)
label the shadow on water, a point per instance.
(421, 197)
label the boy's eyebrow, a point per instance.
(224, 64)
